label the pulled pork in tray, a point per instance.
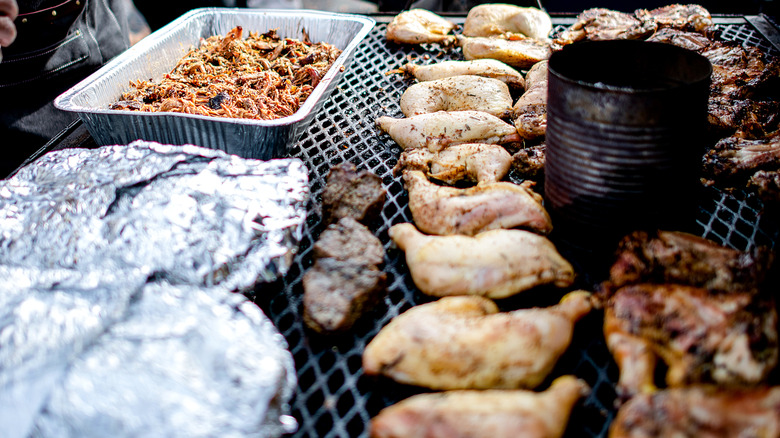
(260, 77)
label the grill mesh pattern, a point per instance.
(334, 398)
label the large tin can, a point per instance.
(626, 129)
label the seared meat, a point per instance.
(337, 293)
(495, 264)
(352, 193)
(518, 53)
(418, 26)
(477, 162)
(349, 240)
(345, 281)
(729, 339)
(598, 24)
(483, 414)
(733, 160)
(684, 17)
(436, 131)
(530, 111)
(694, 41)
(766, 184)
(458, 93)
(529, 162)
(446, 210)
(466, 343)
(488, 68)
(501, 19)
(682, 258)
(702, 412)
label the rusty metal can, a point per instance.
(626, 130)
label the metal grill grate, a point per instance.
(334, 398)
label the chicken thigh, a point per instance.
(436, 131)
(493, 413)
(418, 26)
(530, 110)
(466, 343)
(495, 264)
(520, 54)
(500, 19)
(488, 68)
(729, 338)
(458, 93)
(446, 210)
(477, 162)
(701, 412)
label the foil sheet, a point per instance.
(118, 311)
(185, 362)
(187, 214)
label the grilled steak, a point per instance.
(352, 193)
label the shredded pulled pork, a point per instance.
(260, 77)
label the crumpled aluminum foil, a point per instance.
(47, 318)
(186, 362)
(190, 215)
(118, 315)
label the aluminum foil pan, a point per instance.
(185, 214)
(158, 53)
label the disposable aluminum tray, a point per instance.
(157, 54)
(334, 398)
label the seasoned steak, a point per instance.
(349, 240)
(352, 193)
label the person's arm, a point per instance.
(8, 11)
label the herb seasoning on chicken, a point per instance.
(262, 77)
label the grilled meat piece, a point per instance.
(729, 339)
(345, 281)
(352, 193)
(529, 162)
(501, 19)
(518, 53)
(700, 411)
(466, 343)
(684, 17)
(495, 264)
(349, 240)
(458, 93)
(477, 162)
(733, 160)
(598, 24)
(530, 111)
(445, 210)
(337, 293)
(682, 258)
(766, 184)
(419, 26)
(694, 41)
(436, 131)
(483, 414)
(488, 68)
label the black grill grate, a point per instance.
(334, 398)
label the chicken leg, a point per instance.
(466, 343)
(483, 414)
(488, 68)
(458, 93)
(500, 19)
(419, 26)
(446, 210)
(478, 162)
(436, 131)
(494, 264)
